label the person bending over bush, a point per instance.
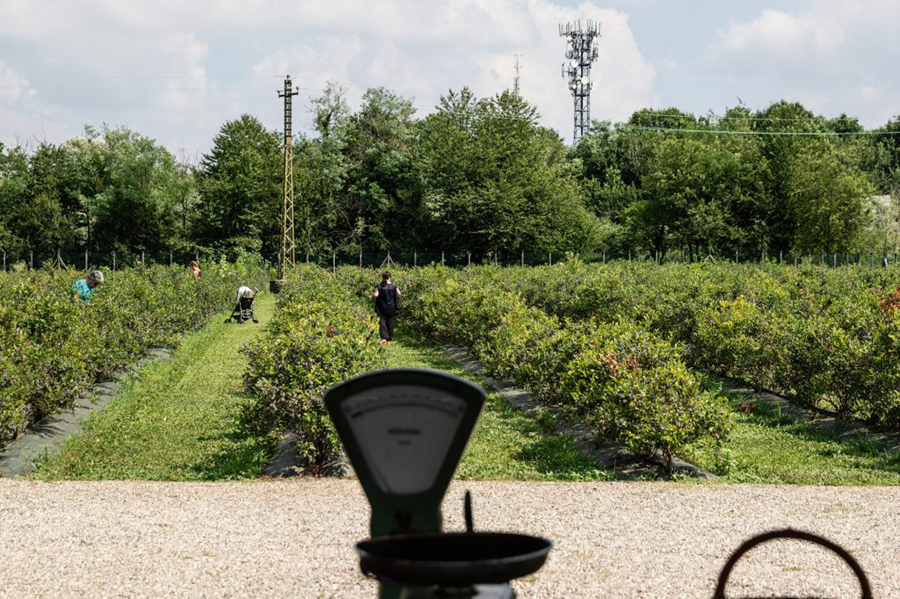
(84, 288)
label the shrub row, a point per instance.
(53, 348)
(829, 338)
(319, 337)
(629, 384)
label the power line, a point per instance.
(760, 133)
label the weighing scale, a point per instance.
(404, 431)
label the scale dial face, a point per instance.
(404, 433)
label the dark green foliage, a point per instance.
(475, 175)
(785, 185)
(240, 189)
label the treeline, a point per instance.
(477, 174)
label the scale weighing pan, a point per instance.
(453, 559)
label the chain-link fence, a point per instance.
(113, 260)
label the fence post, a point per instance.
(114, 260)
(31, 260)
(442, 257)
(333, 261)
(469, 258)
(360, 258)
(415, 258)
(629, 255)
(143, 263)
(307, 257)
(834, 260)
(58, 259)
(85, 260)
(171, 262)
(550, 258)
(604, 256)
(780, 256)
(522, 258)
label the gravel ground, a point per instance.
(295, 538)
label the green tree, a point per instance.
(135, 205)
(495, 181)
(827, 196)
(382, 201)
(240, 189)
(697, 192)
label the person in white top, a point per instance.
(240, 293)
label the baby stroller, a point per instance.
(243, 307)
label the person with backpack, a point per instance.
(387, 304)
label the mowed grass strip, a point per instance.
(506, 444)
(179, 421)
(768, 447)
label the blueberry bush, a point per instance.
(630, 385)
(319, 337)
(53, 348)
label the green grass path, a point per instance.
(768, 447)
(506, 444)
(179, 420)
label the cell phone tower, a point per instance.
(582, 48)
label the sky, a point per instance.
(176, 71)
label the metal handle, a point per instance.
(789, 533)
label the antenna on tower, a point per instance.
(286, 254)
(582, 48)
(516, 80)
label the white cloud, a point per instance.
(833, 57)
(781, 33)
(12, 86)
(160, 66)
(423, 49)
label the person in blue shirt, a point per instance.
(84, 288)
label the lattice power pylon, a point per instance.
(286, 255)
(581, 50)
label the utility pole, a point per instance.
(288, 248)
(581, 50)
(516, 80)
